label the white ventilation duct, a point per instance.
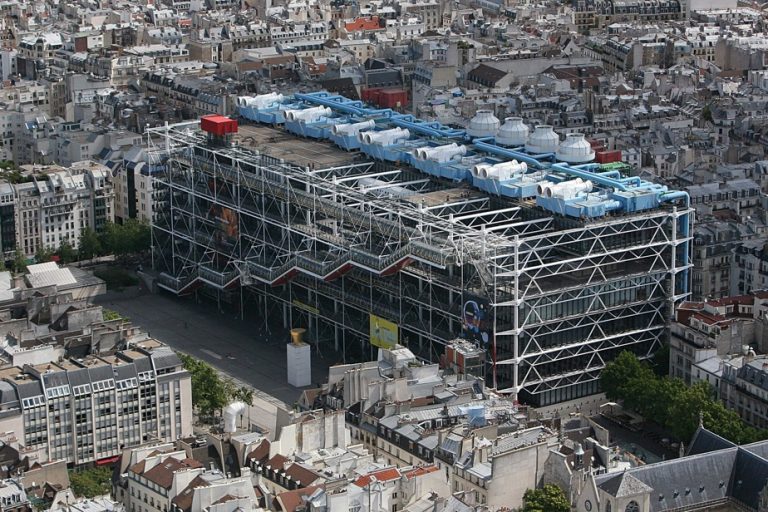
(543, 140)
(569, 189)
(352, 129)
(514, 132)
(441, 154)
(260, 101)
(231, 413)
(544, 188)
(308, 115)
(484, 124)
(384, 137)
(501, 171)
(575, 149)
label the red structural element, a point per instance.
(218, 125)
(386, 98)
(607, 157)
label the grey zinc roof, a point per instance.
(749, 478)
(451, 444)
(685, 482)
(624, 485)
(705, 441)
(143, 364)
(429, 442)
(55, 379)
(8, 396)
(165, 358)
(409, 432)
(100, 373)
(29, 388)
(124, 372)
(759, 448)
(78, 377)
(518, 440)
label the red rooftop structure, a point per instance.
(218, 125)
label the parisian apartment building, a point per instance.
(54, 207)
(87, 410)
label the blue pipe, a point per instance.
(632, 179)
(332, 101)
(608, 182)
(433, 129)
(671, 196)
(384, 112)
(484, 145)
(651, 187)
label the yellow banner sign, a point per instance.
(384, 334)
(306, 307)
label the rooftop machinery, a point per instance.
(522, 165)
(508, 237)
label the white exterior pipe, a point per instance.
(308, 115)
(384, 137)
(231, 412)
(426, 152)
(352, 129)
(569, 189)
(545, 188)
(260, 101)
(441, 154)
(501, 171)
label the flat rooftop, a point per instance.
(10, 372)
(149, 344)
(300, 152)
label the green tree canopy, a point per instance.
(92, 482)
(672, 404)
(90, 245)
(130, 237)
(210, 392)
(108, 314)
(43, 255)
(549, 498)
(19, 262)
(66, 252)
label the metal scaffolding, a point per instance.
(326, 248)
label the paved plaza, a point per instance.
(238, 348)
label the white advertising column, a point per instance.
(299, 360)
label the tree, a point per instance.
(245, 395)
(66, 252)
(131, 237)
(210, 392)
(19, 262)
(672, 404)
(660, 361)
(90, 245)
(92, 482)
(108, 314)
(113, 241)
(43, 255)
(617, 375)
(549, 498)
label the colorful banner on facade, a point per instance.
(384, 334)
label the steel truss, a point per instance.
(325, 248)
